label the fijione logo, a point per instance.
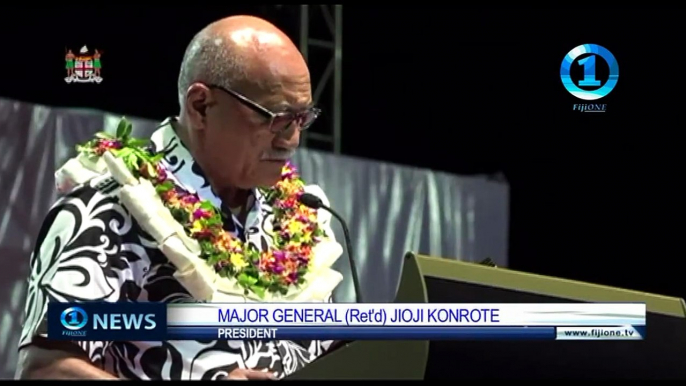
(590, 107)
(86, 67)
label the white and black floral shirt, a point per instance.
(91, 249)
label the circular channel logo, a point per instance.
(589, 72)
(74, 318)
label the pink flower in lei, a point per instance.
(104, 145)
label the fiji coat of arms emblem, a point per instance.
(83, 68)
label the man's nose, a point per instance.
(289, 138)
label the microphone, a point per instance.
(314, 202)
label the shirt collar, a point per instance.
(180, 163)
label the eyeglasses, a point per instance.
(278, 122)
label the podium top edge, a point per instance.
(472, 273)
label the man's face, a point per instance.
(242, 145)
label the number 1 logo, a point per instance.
(588, 63)
(70, 318)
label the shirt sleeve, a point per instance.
(81, 254)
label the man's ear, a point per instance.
(198, 99)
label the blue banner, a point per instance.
(151, 322)
(360, 333)
(107, 321)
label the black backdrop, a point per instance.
(464, 91)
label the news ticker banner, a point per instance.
(345, 321)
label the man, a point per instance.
(244, 91)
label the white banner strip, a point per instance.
(414, 315)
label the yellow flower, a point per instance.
(306, 237)
(238, 261)
(233, 243)
(295, 227)
(197, 227)
(173, 201)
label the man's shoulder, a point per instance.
(103, 188)
(90, 213)
(95, 199)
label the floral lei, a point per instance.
(296, 230)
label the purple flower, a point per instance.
(279, 203)
(288, 170)
(279, 256)
(161, 174)
(201, 213)
(180, 192)
(110, 144)
(190, 199)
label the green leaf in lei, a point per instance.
(131, 162)
(157, 157)
(164, 187)
(206, 205)
(124, 130)
(246, 280)
(85, 149)
(122, 153)
(137, 143)
(259, 291)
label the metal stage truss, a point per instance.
(318, 47)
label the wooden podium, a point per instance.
(662, 355)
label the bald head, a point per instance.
(245, 94)
(237, 51)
